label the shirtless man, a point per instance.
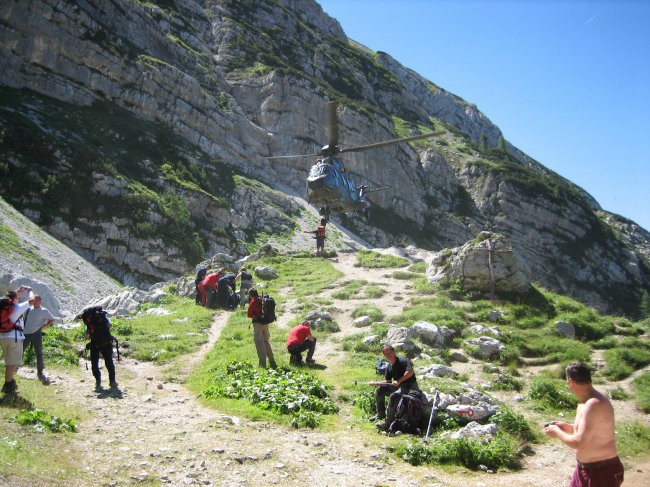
(591, 435)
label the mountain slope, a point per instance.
(144, 123)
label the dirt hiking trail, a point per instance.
(154, 431)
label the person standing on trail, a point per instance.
(301, 339)
(11, 336)
(244, 285)
(319, 236)
(592, 433)
(36, 319)
(200, 275)
(261, 333)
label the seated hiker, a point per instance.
(209, 285)
(301, 339)
(402, 378)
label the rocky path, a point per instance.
(155, 431)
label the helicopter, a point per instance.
(328, 186)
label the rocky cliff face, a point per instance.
(133, 132)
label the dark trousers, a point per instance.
(36, 339)
(395, 395)
(107, 352)
(308, 345)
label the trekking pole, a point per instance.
(434, 409)
(372, 383)
(117, 348)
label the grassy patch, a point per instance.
(370, 259)
(632, 439)
(162, 338)
(642, 387)
(373, 312)
(349, 289)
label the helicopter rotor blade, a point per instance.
(387, 143)
(374, 190)
(294, 156)
(332, 124)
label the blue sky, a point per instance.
(567, 82)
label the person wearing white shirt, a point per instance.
(36, 319)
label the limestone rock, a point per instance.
(487, 346)
(566, 329)
(430, 334)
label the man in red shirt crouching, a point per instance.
(301, 339)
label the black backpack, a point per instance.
(381, 366)
(268, 310)
(97, 326)
(408, 415)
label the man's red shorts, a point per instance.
(606, 473)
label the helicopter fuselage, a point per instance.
(328, 186)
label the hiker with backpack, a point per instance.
(11, 335)
(200, 275)
(401, 377)
(261, 319)
(319, 236)
(36, 319)
(301, 339)
(98, 329)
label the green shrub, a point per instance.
(284, 391)
(515, 424)
(365, 400)
(618, 394)
(547, 396)
(506, 382)
(497, 453)
(41, 421)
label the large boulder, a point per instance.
(566, 329)
(398, 337)
(488, 347)
(430, 334)
(486, 264)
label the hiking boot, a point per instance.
(10, 387)
(273, 365)
(43, 378)
(382, 426)
(98, 386)
(113, 384)
(6, 388)
(295, 359)
(310, 361)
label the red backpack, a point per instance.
(6, 308)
